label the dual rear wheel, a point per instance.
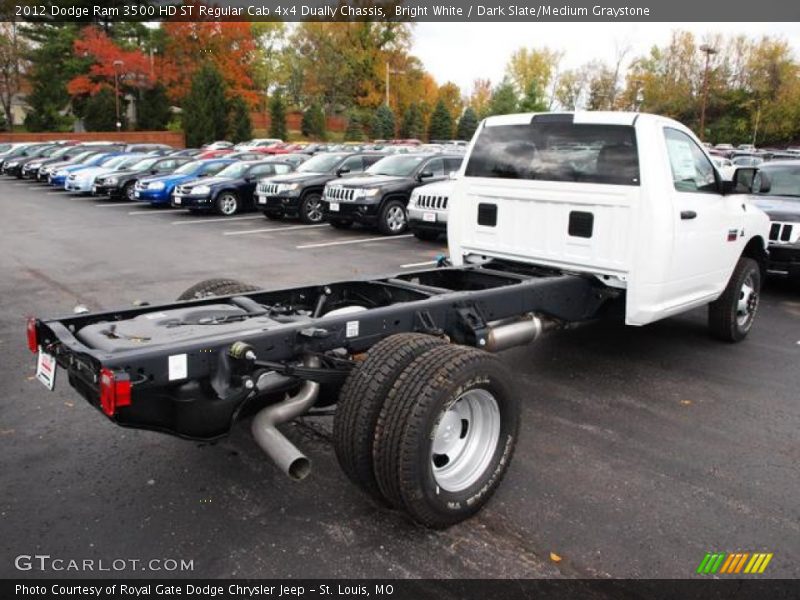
(427, 427)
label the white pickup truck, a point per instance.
(554, 219)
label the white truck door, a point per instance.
(706, 231)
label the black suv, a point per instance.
(230, 190)
(300, 193)
(120, 184)
(379, 198)
(776, 191)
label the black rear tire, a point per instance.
(361, 400)
(423, 411)
(731, 316)
(216, 287)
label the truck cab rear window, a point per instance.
(557, 151)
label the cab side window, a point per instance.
(435, 166)
(165, 165)
(260, 171)
(280, 169)
(354, 163)
(692, 171)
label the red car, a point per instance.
(214, 153)
(284, 148)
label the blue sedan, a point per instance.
(158, 190)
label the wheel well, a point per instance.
(756, 250)
(396, 196)
(311, 190)
(233, 191)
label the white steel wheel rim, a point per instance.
(748, 302)
(228, 204)
(314, 209)
(465, 440)
(395, 218)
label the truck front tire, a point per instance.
(446, 435)
(731, 316)
(362, 398)
(311, 211)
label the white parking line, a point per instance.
(274, 229)
(427, 263)
(155, 211)
(223, 219)
(115, 204)
(381, 238)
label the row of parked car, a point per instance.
(373, 185)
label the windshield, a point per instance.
(237, 169)
(82, 156)
(143, 165)
(113, 161)
(396, 166)
(127, 161)
(5, 148)
(784, 181)
(189, 167)
(322, 163)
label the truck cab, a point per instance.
(631, 199)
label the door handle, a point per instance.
(688, 214)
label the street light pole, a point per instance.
(117, 64)
(393, 72)
(708, 50)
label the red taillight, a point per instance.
(33, 338)
(115, 391)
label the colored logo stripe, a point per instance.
(724, 563)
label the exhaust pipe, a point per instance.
(512, 332)
(283, 452)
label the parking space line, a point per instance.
(419, 264)
(220, 220)
(274, 229)
(382, 238)
(115, 205)
(156, 211)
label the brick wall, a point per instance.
(261, 120)
(173, 138)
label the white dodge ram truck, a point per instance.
(632, 199)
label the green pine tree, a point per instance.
(355, 130)
(534, 99)
(277, 114)
(100, 111)
(441, 125)
(504, 99)
(152, 110)
(383, 126)
(313, 124)
(241, 127)
(53, 64)
(467, 124)
(205, 111)
(413, 125)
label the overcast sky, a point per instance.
(462, 52)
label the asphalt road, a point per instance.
(641, 449)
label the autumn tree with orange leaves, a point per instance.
(230, 47)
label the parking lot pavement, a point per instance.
(640, 451)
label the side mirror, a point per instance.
(761, 183)
(741, 182)
(425, 175)
(342, 171)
